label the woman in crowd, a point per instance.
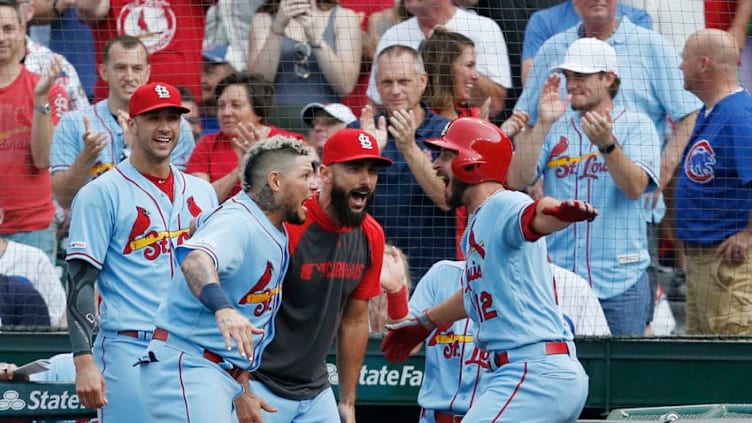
(449, 58)
(243, 102)
(311, 49)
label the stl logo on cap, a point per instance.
(365, 142)
(162, 91)
(154, 96)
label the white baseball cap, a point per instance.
(589, 55)
(336, 110)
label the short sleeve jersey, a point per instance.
(713, 195)
(507, 284)
(450, 352)
(127, 228)
(251, 258)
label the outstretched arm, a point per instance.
(549, 215)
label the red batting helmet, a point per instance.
(483, 150)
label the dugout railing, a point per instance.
(623, 373)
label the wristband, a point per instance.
(427, 321)
(396, 304)
(607, 149)
(214, 297)
(318, 44)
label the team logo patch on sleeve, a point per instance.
(77, 244)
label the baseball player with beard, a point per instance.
(335, 263)
(217, 317)
(454, 366)
(125, 226)
(507, 288)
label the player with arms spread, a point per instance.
(125, 226)
(507, 288)
(233, 268)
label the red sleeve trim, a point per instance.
(528, 215)
(370, 286)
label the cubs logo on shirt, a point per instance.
(699, 162)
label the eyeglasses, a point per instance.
(302, 53)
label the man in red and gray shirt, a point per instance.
(335, 265)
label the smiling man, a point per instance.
(90, 141)
(335, 263)
(125, 227)
(604, 154)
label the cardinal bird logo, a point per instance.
(560, 147)
(193, 208)
(254, 294)
(140, 225)
(259, 294)
(475, 246)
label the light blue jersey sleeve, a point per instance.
(66, 141)
(218, 237)
(92, 225)
(184, 149)
(641, 144)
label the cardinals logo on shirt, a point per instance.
(259, 294)
(151, 21)
(154, 243)
(699, 162)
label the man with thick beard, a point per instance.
(335, 264)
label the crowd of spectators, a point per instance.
(400, 70)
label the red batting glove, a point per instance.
(572, 211)
(403, 336)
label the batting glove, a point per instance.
(404, 336)
(572, 211)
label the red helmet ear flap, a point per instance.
(483, 150)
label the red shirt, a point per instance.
(25, 191)
(172, 32)
(719, 13)
(215, 156)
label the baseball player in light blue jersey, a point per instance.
(604, 155)
(90, 141)
(217, 318)
(455, 367)
(125, 226)
(507, 288)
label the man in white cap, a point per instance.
(324, 120)
(607, 156)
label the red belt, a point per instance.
(131, 333)
(442, 417)
(552, 348)
(162, 335)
